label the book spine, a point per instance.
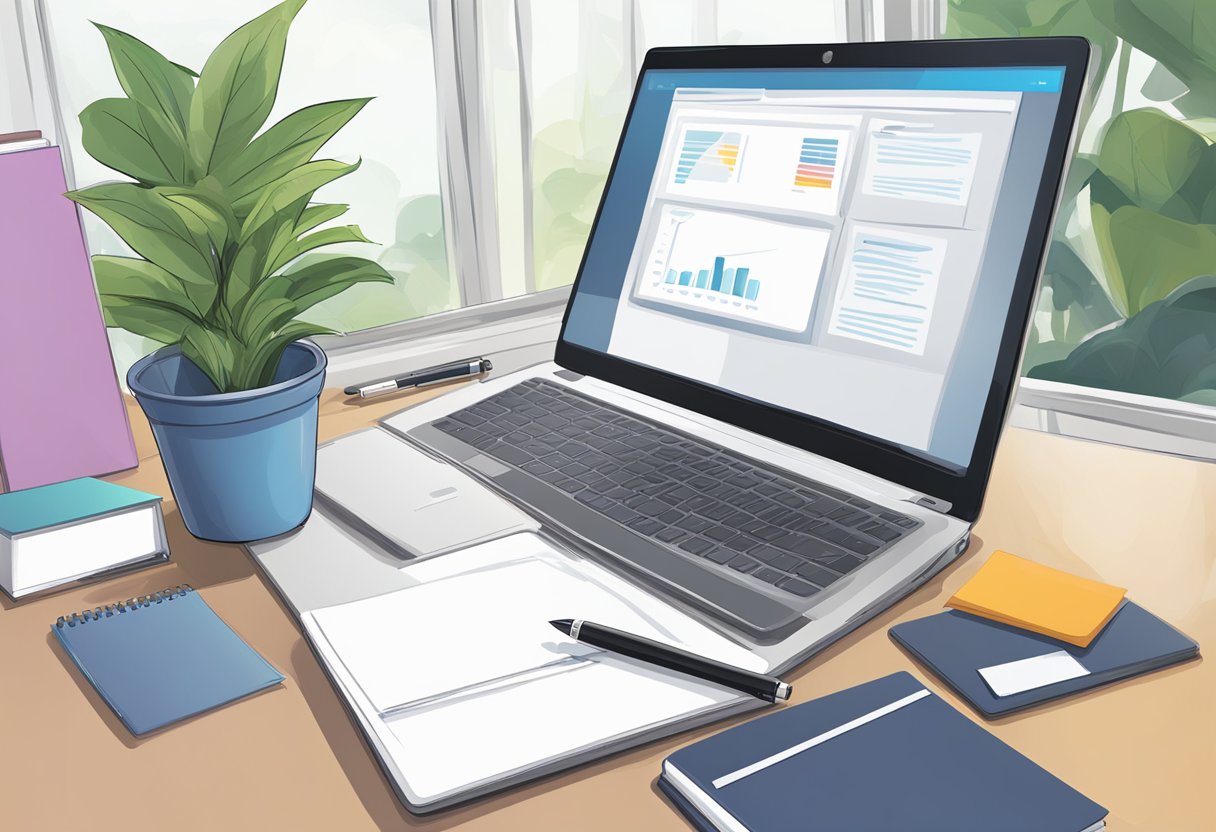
(97, 613)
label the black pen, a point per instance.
(768, 688)
(421, 378)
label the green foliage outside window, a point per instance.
(1143, 320)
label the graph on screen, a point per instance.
(816, 163)
(757, 270)
(798, 168)
(709, 156)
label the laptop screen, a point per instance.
(840, 243)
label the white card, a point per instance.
(1028, 674)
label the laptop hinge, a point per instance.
(940, 506)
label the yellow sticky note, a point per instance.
(1021, 593)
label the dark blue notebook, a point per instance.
(954, 645)
(888, 754)
(160, 658)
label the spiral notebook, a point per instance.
(161, 658)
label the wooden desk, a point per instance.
(291, 758)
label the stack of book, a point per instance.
(57, 535)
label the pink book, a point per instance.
(61, 412)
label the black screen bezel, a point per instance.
(964, 490)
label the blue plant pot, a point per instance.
(241, 465)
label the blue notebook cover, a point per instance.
(954, 645)
(163, 657)
(919, 766)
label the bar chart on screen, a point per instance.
(709, 156)
(762, 271)
(797, 167)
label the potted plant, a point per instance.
(218, 213)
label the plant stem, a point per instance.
(1125, 61)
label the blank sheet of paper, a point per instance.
(422, 642)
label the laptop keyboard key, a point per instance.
(817, 574)
(769, 576)
(696, 545)
(845, 563)
(743, 564)
(694, 523)
(671, 535)
(800, 588)
(645, 525)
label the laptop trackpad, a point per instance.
(412, 504)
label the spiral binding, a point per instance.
(85, 616)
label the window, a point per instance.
(485, 149)
(1127, 309)
(463, 94)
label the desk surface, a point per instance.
(1146, 749)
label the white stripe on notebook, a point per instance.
(760, 765)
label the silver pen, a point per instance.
(422, 378)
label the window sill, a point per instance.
(513, 333)
(1145, 422)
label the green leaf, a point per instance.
(162, 323)
(315, 215)
(135, 279)
(1151, 255)
(237, 88)
(278, 299)
(150, 78)
(285, 146)
(128, 137)
(205, 216)
(212, 353)
(1180, 34)
(1149, 155)
(297, 184)
(1168, 349)
(259, 366)
(325, 237)
(150, 225)
(254, 253)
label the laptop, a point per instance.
(795, 331)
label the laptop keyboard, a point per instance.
(739, 514)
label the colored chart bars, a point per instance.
(728, 282)
(708, 156)
(816, 163)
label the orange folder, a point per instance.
(1021, 593)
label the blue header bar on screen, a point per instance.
(975, 79)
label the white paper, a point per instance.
(889, 289)
(921, 165)
(415, 644)
(1028, 674)
(460, 743)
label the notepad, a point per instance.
(1000, 669)
(1018, 592)
(888, 754)
(161, 658)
